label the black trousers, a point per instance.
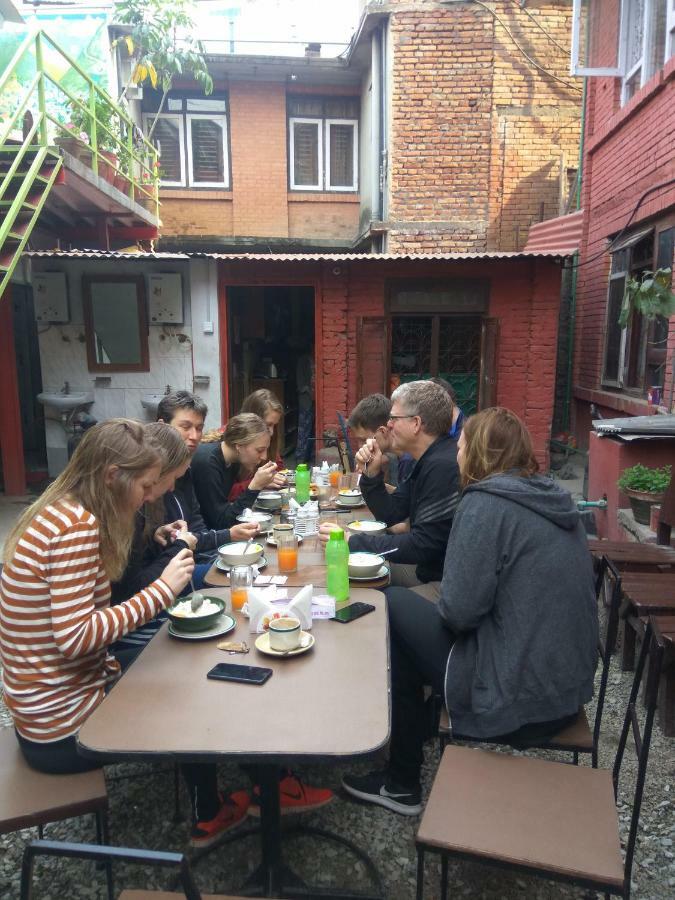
(420, 646)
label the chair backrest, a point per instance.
(101, 853)
(608, 583)
(652, 649)
(346, 441)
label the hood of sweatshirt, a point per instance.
(540, 494)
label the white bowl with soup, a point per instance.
(364, 565)
(350, 497)
(367, 526)
(239, 554)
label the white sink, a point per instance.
(66, 402)
(151, 402)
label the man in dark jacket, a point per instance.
(421, 414)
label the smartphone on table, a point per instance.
(353, 611)
(239, 673)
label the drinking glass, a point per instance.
(287, 552)
(241, 579)
(334, 476)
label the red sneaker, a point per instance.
(294, 796)
(232, 810)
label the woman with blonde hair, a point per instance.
(512, 645)
(242, 453)
(263, 403)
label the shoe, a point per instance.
(233, 810)
(378, 787)
(294, 797)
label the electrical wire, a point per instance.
(615, 239)
(532, 62)
(548, 34)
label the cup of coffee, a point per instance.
(284, 634)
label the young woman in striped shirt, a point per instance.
(56, 622)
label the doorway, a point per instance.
(270, 342)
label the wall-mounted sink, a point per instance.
(151, 402)
(66, 402)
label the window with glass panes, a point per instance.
(323, 139)
(191, 136)
(635, 356)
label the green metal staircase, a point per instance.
(30, 160)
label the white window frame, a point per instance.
(605, 380)
(306, 121)
(147, 122)
(221, 120)
(647, 38)
(355, 143)
(670, 31)
(577, 66)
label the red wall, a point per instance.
(524, 296)
(627, 150)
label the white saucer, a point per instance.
(223, 567)
(349, 505)
(384, 570)
(223, 625)
(262, 643)
(273, 543)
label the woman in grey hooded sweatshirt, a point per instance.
(512, 645)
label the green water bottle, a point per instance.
(337, 564)
(302, 483)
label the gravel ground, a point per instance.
(141, 815)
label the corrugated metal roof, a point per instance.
(560, 236)
(298, 257)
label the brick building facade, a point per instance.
(628, 196)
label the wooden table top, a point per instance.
(648, 592)
(633, 552)
(332, 701)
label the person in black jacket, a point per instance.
(421, 415)
(217, 469)
(185, 413)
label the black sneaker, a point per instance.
(378, 787)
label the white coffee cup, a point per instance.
(284, 634)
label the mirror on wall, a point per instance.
(116, 324)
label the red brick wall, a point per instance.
(524, 297)
(627, 150)
(480, 139)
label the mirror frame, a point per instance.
(87, 283)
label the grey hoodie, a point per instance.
(518, 593)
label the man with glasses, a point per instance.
(419, 421)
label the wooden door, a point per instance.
(487, 395)
(372, 348)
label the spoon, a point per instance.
(196, 599)
(386, 552)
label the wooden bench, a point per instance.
(630, 556)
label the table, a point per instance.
(343, 680)
(631, 556)
(644, 594)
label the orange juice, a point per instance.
(239, 596)
(334, 477)
(288, 559)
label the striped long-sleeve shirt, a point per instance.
(56, 623)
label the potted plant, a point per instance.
(650, 295)
(107, 132)
(644, 486)
(74, 140)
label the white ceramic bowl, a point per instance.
(350, 497)
(364, 565)
(233, 554)
(367, 526)
(269, 499)
(264, 520)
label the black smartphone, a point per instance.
(353, 611)
(243, 674)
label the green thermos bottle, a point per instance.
(337, 564)
(302, 483)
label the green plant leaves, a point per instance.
(645, 478)
(650, 295)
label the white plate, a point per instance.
(262, 643)
(384, 570)
(223, 625)
(273, 543)
(223, 567)
(342, 505)
(363, 526)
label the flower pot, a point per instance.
(107, 164)
(641, 503)
(75, 148)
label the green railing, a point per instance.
(81, 120)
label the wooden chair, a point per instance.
(539, 817)
(575, 738)
(109, 855)
(29, 798)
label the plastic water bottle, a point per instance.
(337, 564)
(302, 483)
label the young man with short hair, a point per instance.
(369, 419)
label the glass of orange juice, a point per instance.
(241, 579)
(334, 477)
(287, 551)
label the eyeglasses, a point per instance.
(392, 418)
